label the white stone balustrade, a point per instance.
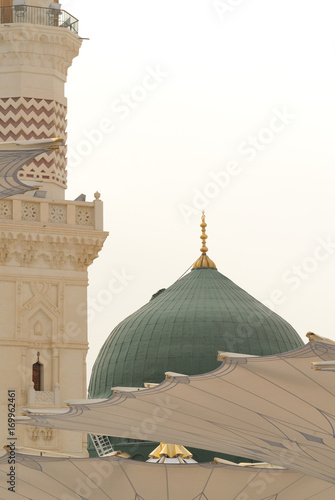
(41, 398)
(45, 212)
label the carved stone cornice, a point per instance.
(78, 346)
(68, 249)
(42, 47)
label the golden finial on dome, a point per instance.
(204, 260)
(204, 236)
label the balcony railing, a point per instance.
(38, 15)
(42, 212)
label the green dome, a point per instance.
(182, 328)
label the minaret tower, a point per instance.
(46, 242)
(38, 42)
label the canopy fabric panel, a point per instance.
(13, 155)
(43, 478)
(273, 409)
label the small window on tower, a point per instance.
(38, 374)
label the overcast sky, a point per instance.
(228, 106)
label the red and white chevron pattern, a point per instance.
(24, 118)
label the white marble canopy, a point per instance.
(44, 478)
(274, 409)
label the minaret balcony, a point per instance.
(52, 16)
(43, 398)
(45, 212)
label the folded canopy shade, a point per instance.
(274, 409)
(42, 478)
(13, 155)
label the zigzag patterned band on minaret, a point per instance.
(24, 118)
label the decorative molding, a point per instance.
(38, 328)
(6, 209)
(34, 250)
(39, 313)
(30, 211)
(38, 47)
(35, 433)
(44, 397)
(75, 346)
(85, 216)
(57, 214)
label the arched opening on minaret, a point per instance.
(38, 374)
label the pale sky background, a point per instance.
(226, 79)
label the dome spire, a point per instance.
(204, 260)
(204, 236)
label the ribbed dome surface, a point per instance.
(182, 329)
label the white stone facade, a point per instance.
(45, 250)
(46, 244)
